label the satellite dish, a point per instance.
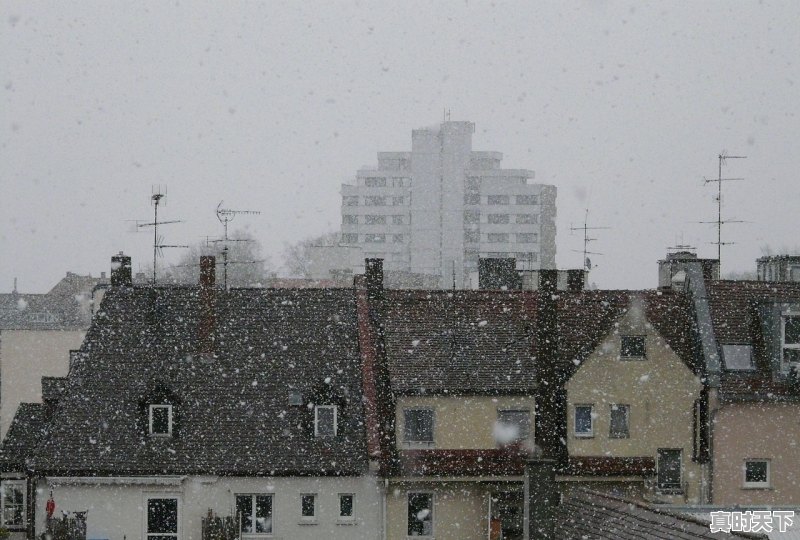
(588, 263)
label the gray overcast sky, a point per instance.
(271, 106)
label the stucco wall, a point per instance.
(757, 431)
(463, 422)
(119, 512)
(25, 357)
(659, 389)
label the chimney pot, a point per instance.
(121, 271)
(373, 270)
(208, 271)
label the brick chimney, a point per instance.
(208, 306)
(542, 497)
(576, 280)
(373, 270)
(121, 271)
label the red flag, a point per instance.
(50, 507)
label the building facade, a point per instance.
(440, 207)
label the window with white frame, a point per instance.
(308, 506)
(418, 426)
(325, 419)
(13, 503)
(790, 340)
(254, 513)
(420, 514)
(162, 518)
(347, 507)
(160, 420)
(618, 428)
(756, 473)
(584, 421)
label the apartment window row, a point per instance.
(521, 257)
(474, 237)
(382, 181)
(255, 511)
(352, 238)
(351, 219)
(419, 423)
(522, 200)
(374, 200)
(619, 421)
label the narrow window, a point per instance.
(254, 513)
(632, 346)
(160, 420)
(13, 503)
(162, 518)
(418, 426)
(325, 421)
(756, 473)
(669, 469)
(583, 421)
(619, 421)
(420, 514)
(791, 340)
(513, 426)
(308, 506)
(347, 502)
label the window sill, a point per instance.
(308, 522)
(584, 436)
(669, 491)
(346, 522)
(765, 487)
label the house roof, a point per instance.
(65, 307)
(585, 514)
(26, 430)
(232, 410)
(460, 342)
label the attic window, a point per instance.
(160, 420)
(295, 398)
(325, 421)
(632, 347)
(738, 357)
(790, 334)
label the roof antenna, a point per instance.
(723, 158)
(587, 263)
(156, 199)
(454, 275)
(225, 216)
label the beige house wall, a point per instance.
(660, 390)
(460, 510)
(25, 357)
(757, 431)
(462, 422)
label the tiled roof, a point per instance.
(590, 515)
(66, 306)
(460, 341)
(232, 411)
(26, 430)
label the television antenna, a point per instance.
(156, 199)
(723, 158)
(587, 263)
(225, 216)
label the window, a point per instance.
(13, 502)
(527, 199)
(325, 420)
(374, 201)
(254, 513)
(513, 426)
(398, 220)
(472, 216)
(737, 357)
(527, 238)
(791, 339)
(756, 473)
(584, 421)
(401, 182)
(497, 237)
(375, 182)
(295, 398)
(420, 514)
(498, 219)
(498, 199)
(472, 237)
(308, 506)
(349, 238)
(162, 518)
(375, 220)
(398, 201)
(350, 219)
(632, 346)
(375, 238)
(527, 257)
(669, 469)
(397, 238)
(350, 200)
(619, 421)
(527, 218)
(347, 506)
(418, 425)
(472, 198)
(160, 420)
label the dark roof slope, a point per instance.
(460, 342)
(66, 306)
(590, 515)
(26, 430)
(232, 411)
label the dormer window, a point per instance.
(325, 417)
(632, 347)
(790, 340)
(160, 420)
(737, 357)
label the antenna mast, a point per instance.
(587, 265)
(722, 157)
(225, 216)
(156, 198)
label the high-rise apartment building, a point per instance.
(440, 207)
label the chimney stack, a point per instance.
(373, 270)
(208, 305)
(576, 280)
(542, 497)
(121, 271)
